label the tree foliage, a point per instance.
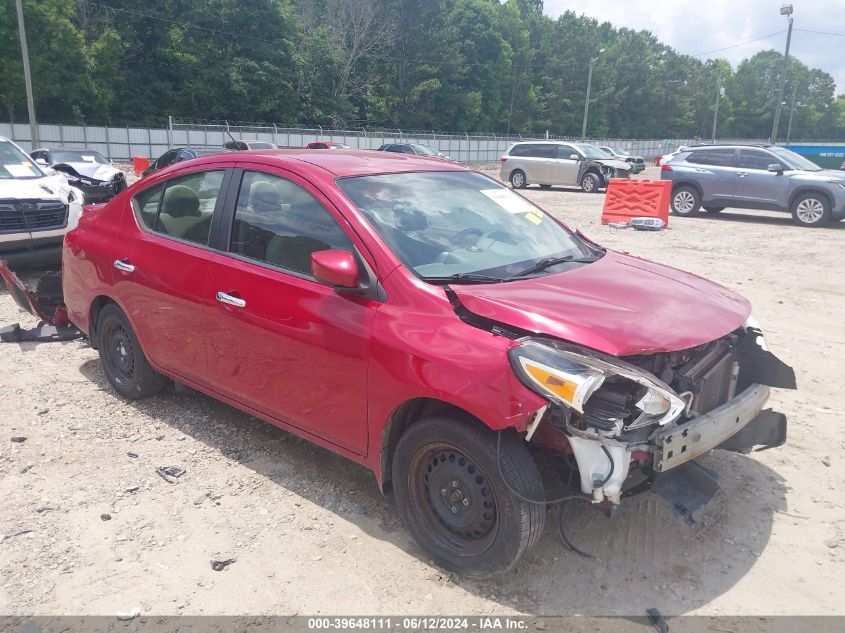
(445, 65)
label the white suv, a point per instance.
(37, 208)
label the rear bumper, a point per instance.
(685, 442)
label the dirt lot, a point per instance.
(311, 533)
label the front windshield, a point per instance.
(14, 163)
(591, 151)
(793, 160)
(441, 224)
(425, 150)
(67, 156)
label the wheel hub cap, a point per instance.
(683, 202)
(810, 210)
(458, 495)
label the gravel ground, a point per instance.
(88, 527)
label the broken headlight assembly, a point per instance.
(610, 395)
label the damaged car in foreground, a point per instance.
(429, 323)
(87, 170)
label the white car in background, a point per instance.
(36, 209)
(662, 160)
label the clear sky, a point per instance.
(697, 26)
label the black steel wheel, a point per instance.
(122, 358)
(454, 501)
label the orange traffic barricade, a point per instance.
(627, 199)
(140, 163)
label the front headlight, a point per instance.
(605, 390)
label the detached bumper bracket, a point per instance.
(767, 430)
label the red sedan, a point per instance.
(326, 145)
(425, 321)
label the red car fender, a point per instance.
(439, 357)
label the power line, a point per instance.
(821, 32)
(719, 50)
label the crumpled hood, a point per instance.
(614, 162)
(619, 305)
(49, 187)
(97, 171)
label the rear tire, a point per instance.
(122, 358)
(590, 183)
(454, 502)
(685, 201)
(518, 180)
(811, 209)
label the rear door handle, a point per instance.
(125, 266)
(229, 300)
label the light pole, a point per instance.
(792, 112)
(30, 103)
(785, 9)
(593, 61)
(720, 92)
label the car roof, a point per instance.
(346, 163)
(728, 146)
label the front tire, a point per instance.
(454, 502)
(590, 183)
(518, 180)
(122, 358)
(811, 209)
(685, 201)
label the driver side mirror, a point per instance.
(776, 168)
(335, 268)
(41, 162)
(574, 157)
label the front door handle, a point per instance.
(125, 266)
(229, 300)
(742, 174)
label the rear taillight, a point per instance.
(503, 158)
(666, 168)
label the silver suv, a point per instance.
(548, 163)
(754, 177)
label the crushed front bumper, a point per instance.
(722, 426)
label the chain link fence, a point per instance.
(122, 143)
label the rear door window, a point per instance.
(714, 157)
(520, 150)
(182, 207)
(543, 151)
(277, 222)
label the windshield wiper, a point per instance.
(472, 278)
(548, 262)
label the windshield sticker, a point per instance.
(511, 202)
(533, 217)
(20, 170)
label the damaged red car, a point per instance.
(427, 322)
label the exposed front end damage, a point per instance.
(654, 413)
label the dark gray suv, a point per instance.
(754, 177)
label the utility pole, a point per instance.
(716, 109)
(784, 10)
(791, 112)
(30, 102)
(593, 61)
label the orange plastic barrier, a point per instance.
(140, 164)
(628, 199)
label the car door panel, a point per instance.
(289, 346)
(755, 184)
(160, 281)
(564, 170)
(715, 172)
